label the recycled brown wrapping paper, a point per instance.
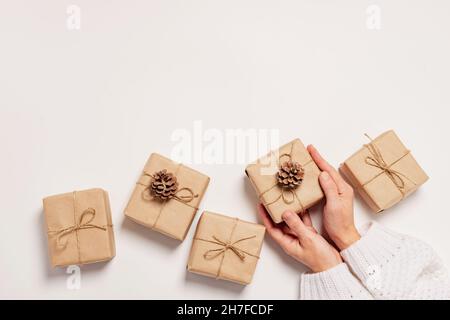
(228, 265)
(79, 246)
(263, 179)
(172, 217)
(374, 185)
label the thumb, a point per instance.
(329, 186)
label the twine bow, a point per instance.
(376, 160)
(284, 192)
(177, 195)
(186, 198)
(225, 246)
(214, 253)
(83, 223)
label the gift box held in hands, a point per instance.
(226, 248)
(383, 171)
(286, 179)
(79, 227)
(167, 196)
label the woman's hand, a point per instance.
(300, 240)
(338, 211)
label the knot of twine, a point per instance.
(214, 253)
(376, 160)
(84, 222)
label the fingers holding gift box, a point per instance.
(167, 196)
(286, 179)
(383, 171)
(79, 227)
(226, 248)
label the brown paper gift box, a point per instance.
(171, 217)
(226, 248)
(79, 227)
(262, 175)
(383, 171)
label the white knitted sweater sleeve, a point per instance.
(381, 265)
(395, 266)
(337, 283)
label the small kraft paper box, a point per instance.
(167, 196)
(286, 179)
(226, 248)
(79, 227)
(383, 171)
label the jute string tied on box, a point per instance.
(376, 160)
(288, 184)
(225, 246)
(164, 187)
(83, 223)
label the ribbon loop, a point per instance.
(88, 212)
(185, 198)
(285, 199)
(288, 155)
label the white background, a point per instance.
(81, 109)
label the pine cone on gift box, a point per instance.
(164, 185)
(290, 174)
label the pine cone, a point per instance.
(290, 174)
(164, 185)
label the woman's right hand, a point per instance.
(338, 210)
(299, 239)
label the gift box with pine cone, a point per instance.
(383, 171)
(79, 227)
(167, 196)
(286, 179)
(226, 248)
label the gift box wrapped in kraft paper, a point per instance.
(167, 196)
(226, 248)
(79, 227)
(286, 179)
(383, 171)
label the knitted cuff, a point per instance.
(337, 283)
(376, 248)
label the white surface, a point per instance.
(81, 109)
